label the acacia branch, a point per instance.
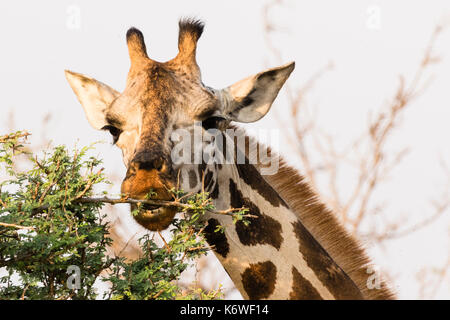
(161, 203)
(11, 225)
(13, 136)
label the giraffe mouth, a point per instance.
(150, 207)
(154, 217)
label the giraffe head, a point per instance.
(161, 98)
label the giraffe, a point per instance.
(296, 248)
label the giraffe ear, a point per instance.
(94, 96)
(251, 98)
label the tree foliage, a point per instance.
(53, 245)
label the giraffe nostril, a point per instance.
(158, 164)
(132, 169)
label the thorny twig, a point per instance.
(13, 136)
(161, 203)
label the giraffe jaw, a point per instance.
(155, 219)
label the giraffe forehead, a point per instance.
(167, 88)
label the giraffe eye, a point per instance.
(115, 132)
(212, 122)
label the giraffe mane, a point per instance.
(322, 222)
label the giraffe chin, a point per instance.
(157, 219)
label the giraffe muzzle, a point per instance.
(147, 184)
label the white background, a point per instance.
(39, 39)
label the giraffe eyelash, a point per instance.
(114, 131)
(212, 122)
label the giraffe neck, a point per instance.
(275, 256)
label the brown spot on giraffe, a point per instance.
(248, 172)
(261, 230)
(251, 176)
(192, 178)
(259, 280)
(328, 272)
(216, 239)
(215, 193)
(302, 289)
(209, 180)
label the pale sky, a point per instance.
(369, 42)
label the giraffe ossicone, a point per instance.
(166, 121)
